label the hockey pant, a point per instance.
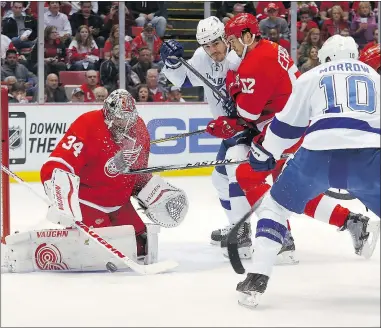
(322, 208)
(125, 215)
(356, 170)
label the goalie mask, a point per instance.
(120, 113)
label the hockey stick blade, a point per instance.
(177, 136)
(232, 246)
(147, 269)
(196, 165)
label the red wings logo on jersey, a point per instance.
(130, 156)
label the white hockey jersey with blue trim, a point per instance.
(336, 105)
(214, 72)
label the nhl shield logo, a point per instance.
(15, 139)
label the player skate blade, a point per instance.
(286, 258)
(249, 301)
(370, 244)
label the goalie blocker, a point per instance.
(68, 250)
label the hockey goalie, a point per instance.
(85, 181)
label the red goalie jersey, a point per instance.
(264, 82)
(87, 150)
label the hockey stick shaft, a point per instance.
(196, 165)
(202, 78)
(142, 269)
(178, 136)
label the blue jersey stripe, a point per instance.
(286, 131)
(342, 123)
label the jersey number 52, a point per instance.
(71, 144)
(248, 85)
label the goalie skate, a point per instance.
(364, 233)
(251, 289)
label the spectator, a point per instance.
(334, 25)
(273, 21)
(83, 51)
(174, 95)
(113, 19)
(76, 6)
(114, 40)
(228, 9)
(345, 32)
(86, 16)
(326, 9)
(53, 17)
(92, 83)
(143, 94)
(262, 6)
(12, 68)
(17, 93)
(100, 94)
(144, 64)
(363, 24)
(312, 60)
(54, 52)
(304, 24)
(19, 27)
(10, 81)
(77, 95)
(158, 94)
(154, 12)
(55, 93)
(109, 73)
(313, 39)
(148, 39)
(5, 42)
(372, 43)
(274, 37)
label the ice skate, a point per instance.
(364, 233)
(219, 234)
(244, 242)
(251, 289)
(286, 255)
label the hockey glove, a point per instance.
(260, 159)
(233, 84)
(171, 48)
(224, 127)
(230, 108)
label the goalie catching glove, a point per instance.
(163, 203)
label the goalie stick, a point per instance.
(139, 268)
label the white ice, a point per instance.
(330, 287)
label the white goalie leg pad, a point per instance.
(164, 204)
(152, 243)
(69, 250)
(62, 190)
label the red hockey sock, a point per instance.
(339, 216)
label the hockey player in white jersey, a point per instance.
(336, 107)
(213, 60)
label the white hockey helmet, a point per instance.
(338, 47)
(209, 29)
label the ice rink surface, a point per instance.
(330, 287)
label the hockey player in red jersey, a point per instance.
(372, 57)
(98, 147)
(260, 88)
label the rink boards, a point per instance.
(34, 131)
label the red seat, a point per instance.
(136, 30)
(73, 77)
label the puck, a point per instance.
(111, 267)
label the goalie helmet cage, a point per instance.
(4, 154)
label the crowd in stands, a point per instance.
(81, 39)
